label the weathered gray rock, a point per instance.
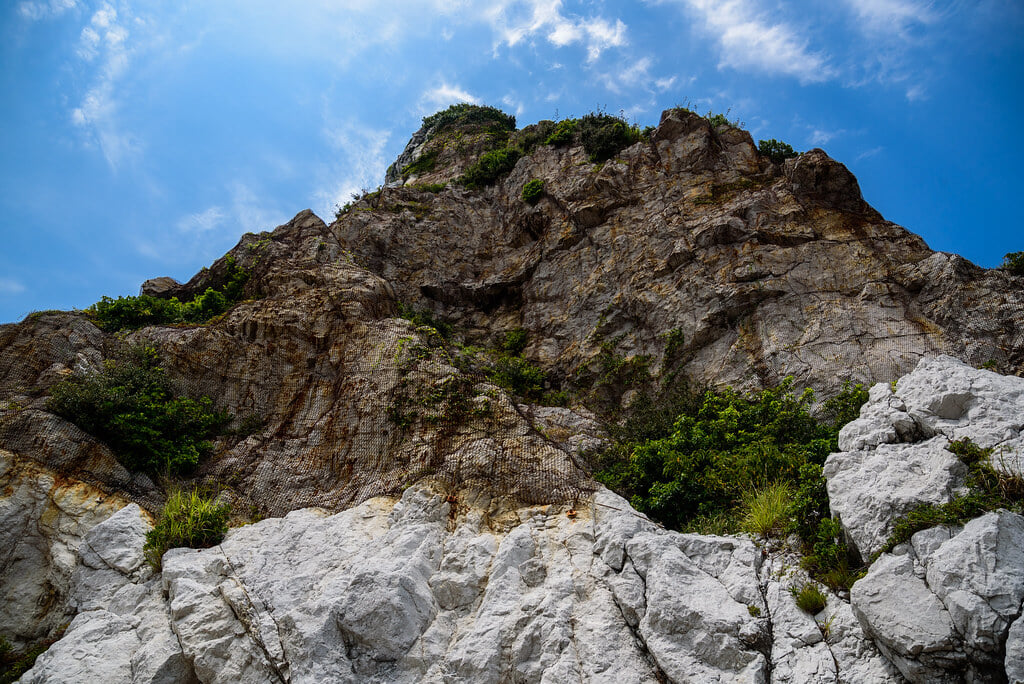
(427, 589)
(942, 607)
(894, 456)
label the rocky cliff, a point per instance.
(428, 536)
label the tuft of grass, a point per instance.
(809, 598)
(191, 519)
(765, 511)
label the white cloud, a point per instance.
(664, 84)
(444, 95)
(748, 42)
(870, 153)
(96, 114)
(202, 222)
(36, 10)
(821, 137)
(515, 22)
(916, 93)
(9, 286)
(250, 211)
(891, 16)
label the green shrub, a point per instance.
(464, 114)
(424, 317)
(809, 598)
(603, 136)
(515, 342)
(131, 407)
(490, 167)
(129, 313)
(189, 519)
(533, 190)
(517, 375)
(1014, 263)
(563, 134)
(775, 150)
(766, 510)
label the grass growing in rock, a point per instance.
(809, 598)
(132, 407)
(989, 490)
(191, 519)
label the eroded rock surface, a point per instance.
(894, 456)
(427, 589)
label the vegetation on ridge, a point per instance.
(132, 312)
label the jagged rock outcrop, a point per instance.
(894, 457)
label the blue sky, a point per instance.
(143, 138)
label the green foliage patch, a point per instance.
(130, 313)
(602, 135)
(425, 163)
(131, 406)
(490, 167)
(191, 519)
(465, 114)
(696, 470)
(1014, 263)
(533, 190)
(809, 598)
(775, 150)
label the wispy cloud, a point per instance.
(361, 149)
(96, 115)
(747, 41)
(870, 153)
(202, 222)
(9, 286)
(820, 137)
(515, 22)
(34, 10)
(892, 16)
(444, 95)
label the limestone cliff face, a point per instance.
(689, 249)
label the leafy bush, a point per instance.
(533, 190)
(490, 167)
(190, 519)
(692, 467)
(563, 134)
(809, 598)
(775, 150)
(602, 135)
(469, 114)
(514, 342)
(1014, 263)
(424, 317)
(131, 407)
(129, 313)
(517, 375)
